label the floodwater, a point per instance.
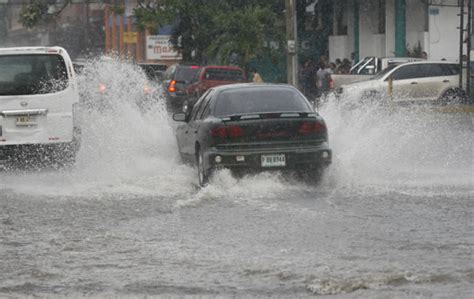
(393, 216)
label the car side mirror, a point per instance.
(179, 116)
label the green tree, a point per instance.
(41, 11)
(214, 29)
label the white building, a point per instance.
(390, 27)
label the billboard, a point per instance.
(159, 47)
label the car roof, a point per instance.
(430, 62)
(251, 85)
(32, 50)
(223, 67)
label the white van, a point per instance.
(38, 103)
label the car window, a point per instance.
(223, 75)
(187, 74)
(169, 72)
(450, 69)
(197, 105)
(407, 72)
(259, 100)
(32, 74)
(204, 110)
(432, 70)
(384, 72)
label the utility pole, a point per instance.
(468, 45)
(461, 45)
(292, 42)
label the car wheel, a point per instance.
(451, 97)
(203, 177)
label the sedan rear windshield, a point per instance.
(32, 74)
(224, 75)
(260, 100)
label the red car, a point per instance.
(211, 76)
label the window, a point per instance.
(259, 100)
(187, 74)
(407, 72)
(433, 70)
(32, 74)
(198, 104)
(205, 106)
(169, 72)
(450, 69)
(224, 75)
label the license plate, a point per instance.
(273, 160)
(25, 120)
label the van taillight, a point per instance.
(228, 131)
(312, 127)
(172, 86)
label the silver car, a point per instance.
(419, 81)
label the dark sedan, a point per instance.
(253, 126)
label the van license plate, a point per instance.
(273, 160)
(25, 120)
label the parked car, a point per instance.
(253, 127)
(366, 68)
(420, 81)
(38, 103)
(211, 76)
(175, 81)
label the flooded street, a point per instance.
(393, 216)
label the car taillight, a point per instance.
(102, 88)
(228, 131)
(312, 127)
(172, 86)
(146, 90)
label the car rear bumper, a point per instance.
(8, 152)
(295, 158)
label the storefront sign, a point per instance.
(159, 47)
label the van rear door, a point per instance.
(37, 95)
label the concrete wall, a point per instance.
(339, 47)
(416, 16)
(443, 33)
(437, 33)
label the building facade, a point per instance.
(387, 28)
(78, 28)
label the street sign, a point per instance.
(130, 37)
(159, 47)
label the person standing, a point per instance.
(323, 78)
(256, 78)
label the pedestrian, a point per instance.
(256, 78)
(424, 55)
(323, 79)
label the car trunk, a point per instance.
(270, 130)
